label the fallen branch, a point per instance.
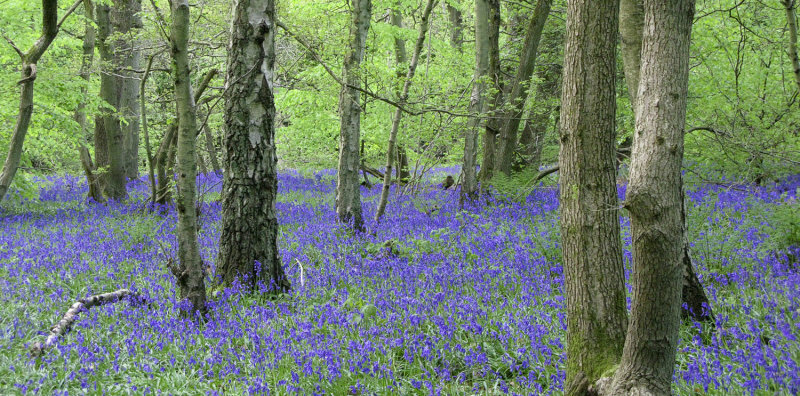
(301, 271)
(69, 318)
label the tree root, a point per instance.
(69, 318)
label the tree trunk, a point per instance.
(531, 140)
(494, 123)
(456, 27)
(29, 60)
(655, 201)
(148, 148)
(108, 133)
(248, 246)
(189, 271)
(212, 150)
(631, 18)
(125, 18)
(507, 142)
(791, 18)
(95, 188)
(163, 167)
(348, 191)
(400, 58)
(590, 231)
(398, 113)
(469, 185)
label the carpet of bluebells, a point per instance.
(434, 300)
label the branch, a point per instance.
(68, 13)
(69, 318)
(14, 46)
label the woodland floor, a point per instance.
(459, 303)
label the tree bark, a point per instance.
(28, 59)
(791, 18)
(189, 271)
(400, 58)
(493, 124)
(212, 149)
(507, 142)
(469, 185)
(148, 148)
(125, 19)
(533, 134)
(348, 190)
(398, 113)
(248, 247)
(590, 231)
(108, 132)
(655, 201)
(631, 16)
(456, 27)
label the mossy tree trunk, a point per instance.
(590, 231)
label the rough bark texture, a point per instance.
(125, 20)
(248, 246)
(348, 190)
(655, 201)
(507, 142)
(469, 185)
(398, 113)
(631, 19)
(189, 271)
(590, 241)
(791, 18)
(109, 139)
(456, 27)
(494, 123)
(29, 60)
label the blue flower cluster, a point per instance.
(433, 300)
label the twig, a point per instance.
(72, 314)
(301, 271)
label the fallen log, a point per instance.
(69, 318)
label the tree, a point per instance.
(125, 19)
(189, 270)
(28, 59)
(469, 186)
(791, 19)
(348, 191)
(456, 26)
(108, 137)
(655, 201)
(248, 246)
(493, 123)
(398, 113)
(631, 20)
(590, 241)
(507, 142)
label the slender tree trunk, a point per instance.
(590, 231)
(493, 124)
(248, 247)
(348, 191)
(791, 18)
(456, 27)
(163, 167)
(212, 150)
(189, 271)
(400, 58)
(398, 113)
(507, 142)
(469, 186)
(655, 201)
(29, 60)
(95, 190)
(631, 18)
(125, 20)
(148, 148)
(109, 139)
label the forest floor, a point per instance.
(458, 303)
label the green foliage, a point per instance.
(785, 222)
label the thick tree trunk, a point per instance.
(791, 18)
(655, 202)
(189, 271)
(469, 185)
(456, 27)
(29, 60)
(590, 231)
(248, 246)
(348, 192)
(125, 18)
(494, 123)
(507, 142)
(108, 132)
(398, 113)
(631, 19)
